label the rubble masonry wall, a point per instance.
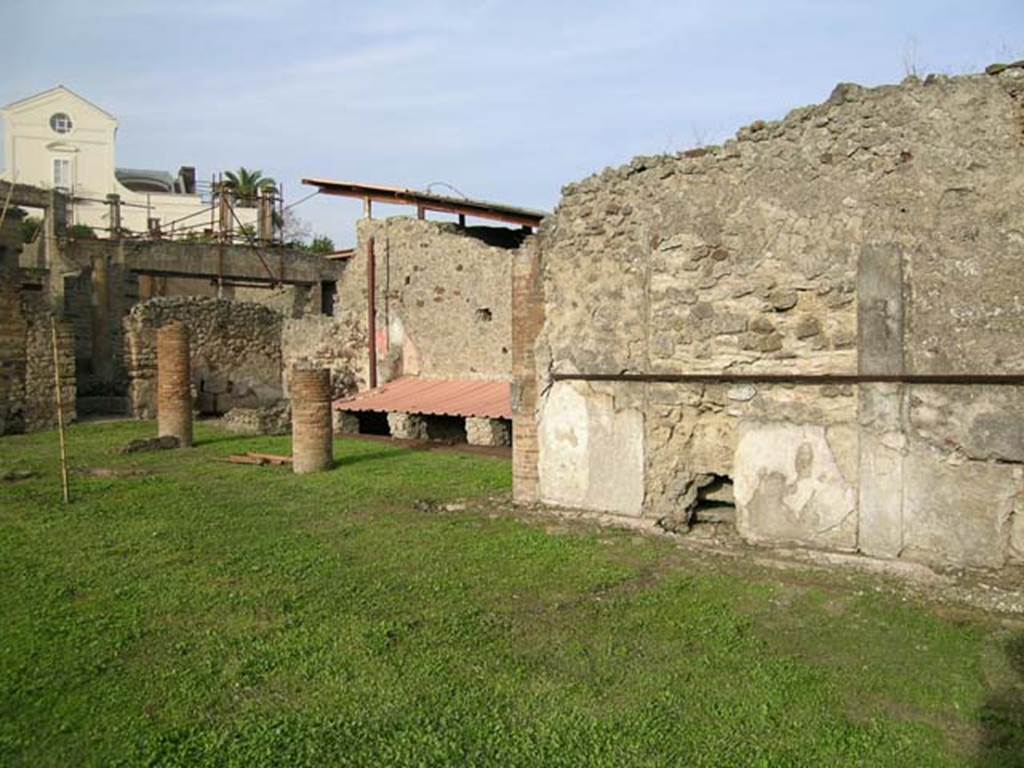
(879, 233)
(235, 352)
(27, 384)
(443, 299)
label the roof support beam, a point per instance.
(424, 202)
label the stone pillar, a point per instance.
(490, 432)
(312, 430)
(265, 216)
(114, 205)
(880, 405)
(174, 383)
(346, 423)
(102, 351)
(408, 426)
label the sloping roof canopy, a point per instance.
(436, 397)
(428, 201)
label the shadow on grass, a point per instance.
(214, 439)
(358, 458)
(1002, 718)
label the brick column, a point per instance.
(527, 321)
(174, 383)
(312, 429)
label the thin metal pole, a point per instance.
(60, 413)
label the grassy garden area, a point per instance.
(187, 612)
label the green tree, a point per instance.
(81, 232)
(321, 244)
(245, 185)
(30, 227)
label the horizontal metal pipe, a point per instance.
(255, 281)
(797, 378)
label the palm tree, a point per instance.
(246, 185)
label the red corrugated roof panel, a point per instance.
(437, 397)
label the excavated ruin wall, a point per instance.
(879, 233)
(443, 298)
(235, 352)
(40, 404)
(27, 383)
(318, 341)
(241, 353)
(12, 347)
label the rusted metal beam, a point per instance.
(430, 202)
(253, 281)
(953, 379)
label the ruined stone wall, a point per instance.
(235, 349)
(40, 397)
(27, 384)
(289, 300)
(12, 346)
(103, 279)
(443, 298)
(97, 294)
(879, 233)
(325, 342)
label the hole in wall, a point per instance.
(483, 315)
(705, 506)
(715, 502)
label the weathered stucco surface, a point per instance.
(879, 233)
(790, 486)
(591, 450)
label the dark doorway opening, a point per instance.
(328, 294)
(373, 423)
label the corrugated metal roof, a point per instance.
(484, 209)
(437, 397)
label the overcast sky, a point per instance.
(504, 100)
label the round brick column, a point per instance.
(173, 383)
(312, 427)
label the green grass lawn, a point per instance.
(202, 613)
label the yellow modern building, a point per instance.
(59, 140)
